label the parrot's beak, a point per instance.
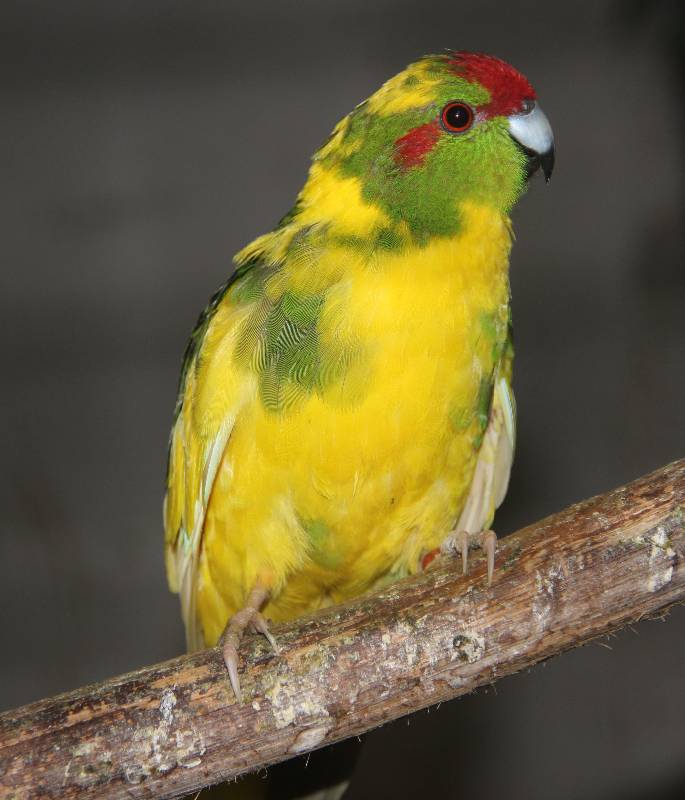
(533, 133)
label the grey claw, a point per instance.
(489, 545)
(259, 624)
(464, 553)
(231, 661)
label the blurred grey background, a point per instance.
(141, 145)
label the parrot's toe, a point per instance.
(260, 625)
(230, 654)
(235, 630)
(461, 542)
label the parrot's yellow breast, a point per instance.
(351, 485)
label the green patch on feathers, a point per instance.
(488, 323)
(495, 329)
(383, 239)
(319, 536)
(494, 326)
(483, 406)
(461, 418)
(248, 288)
(280, 341)
(388, 239)
(484, 402)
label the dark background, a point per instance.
(141, 145)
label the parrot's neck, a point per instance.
(331, 215)
(442, 282)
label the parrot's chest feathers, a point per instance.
(349, 475)
(434, 319)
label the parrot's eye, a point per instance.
(456, 117)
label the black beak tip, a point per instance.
(536, 161)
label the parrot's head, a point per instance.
(450, 128)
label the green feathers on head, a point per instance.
(416, 169)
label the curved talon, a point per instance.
(260, 625)
(488, 544)
(464, 541)
(230, 654)
(461, 541)
(234, 630)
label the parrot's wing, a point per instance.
(205, 414)
(496, 455)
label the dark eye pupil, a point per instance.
(457, 116)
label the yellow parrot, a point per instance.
(345, 401)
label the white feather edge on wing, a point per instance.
(188, 546)
(491, 476)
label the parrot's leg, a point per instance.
(250, 616)
(461, 541)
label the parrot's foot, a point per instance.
(461, 541)
(248, 616)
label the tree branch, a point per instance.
(170, 729)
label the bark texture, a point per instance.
(170, 729)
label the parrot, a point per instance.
(345, 409)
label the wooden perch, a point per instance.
(167, 730)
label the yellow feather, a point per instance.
(338, 200)
(398, 94)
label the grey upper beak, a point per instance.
(532, 131)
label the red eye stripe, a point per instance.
(456, 117)
(412, 148)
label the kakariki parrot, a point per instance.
(345, 404)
